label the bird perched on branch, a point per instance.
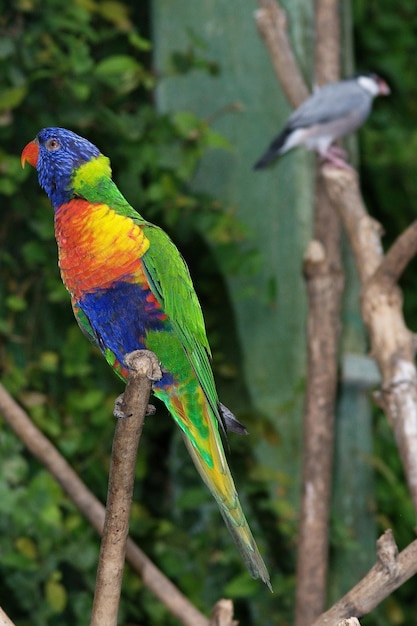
(130, 290)
(331, 112)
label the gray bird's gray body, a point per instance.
(331, 112)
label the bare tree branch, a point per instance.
(391, 570)
(143, 368)
(325, 284)
(324, 279)
(94, 511)
(363, 231)
(392, 343)
(272, 25)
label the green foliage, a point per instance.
(84, 65)
(194, 57)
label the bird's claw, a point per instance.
(120, 414)
(151, 410)
(338, 152)
(330, 159)
(118, 411)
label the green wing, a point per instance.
(171, 284)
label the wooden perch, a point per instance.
(143, 369)
(179, 606)
(391, 570)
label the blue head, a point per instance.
(57, 153)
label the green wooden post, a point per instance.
(270, 306)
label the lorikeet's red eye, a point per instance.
(52, 144)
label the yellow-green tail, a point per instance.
(202, 438)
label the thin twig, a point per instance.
(94, 511)
(143, 368)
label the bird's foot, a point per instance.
(133, 361)
(338, 151)
(120, 414)
(330, 159)
(140, 363)
(151, 410)
(118, 411)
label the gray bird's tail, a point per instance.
(274, 150)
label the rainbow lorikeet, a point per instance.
(130, 290)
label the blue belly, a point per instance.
(121, 317)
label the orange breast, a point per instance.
(97, 247)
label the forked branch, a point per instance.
(390, 571)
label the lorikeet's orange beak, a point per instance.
(30, 153)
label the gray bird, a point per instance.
(333, 111)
